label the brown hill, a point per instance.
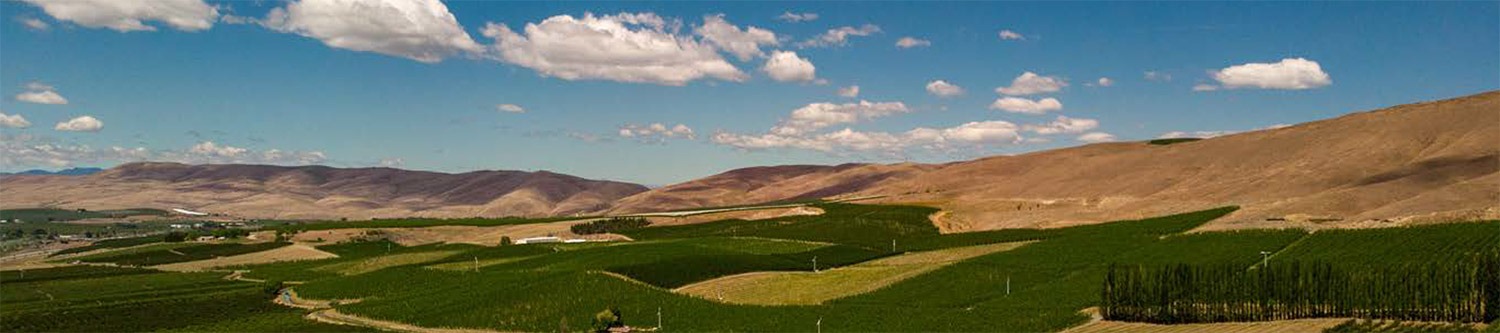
(1405, 164)
(767, 184)
(317, 191)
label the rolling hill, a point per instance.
(317, 191)
(1405, 164)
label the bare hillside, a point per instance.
(1406, 164)
(317, 191)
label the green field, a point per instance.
(103, 299)
(1041, 286)
(167, 253)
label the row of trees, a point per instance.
(1466, 291)
(609, 225)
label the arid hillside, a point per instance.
(1406, 164)
(317, 191)
(767, 184)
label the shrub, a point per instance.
(505, 240)
(607, 319)
(175, 237)
(610, 225)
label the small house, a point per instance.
(539, 240)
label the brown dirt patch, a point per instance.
(294, 252)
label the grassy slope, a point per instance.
(104, 299)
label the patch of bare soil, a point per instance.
(756, 214)
(294, 252)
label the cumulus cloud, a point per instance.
(942, 88)
(19, 151)
(910, 42)
(1205, 87)
(840, 36)
(1064, 125)
(1030, 83)
(626, 47)
(35, 24)
(815, 116)
(1288, 74)
(511, 108)
(421, 30)
(657, 132)
(850, 91)
(1010, 35)
(787, 66)
(13, 121)
(127, 16)
(1157, 76)
(1212, 134)
(391, 162)
(1105, 82)
(1095, 137)
(803, 129)
(742, 43)
(39, 93)
(80, 124)
(1027, 106)
(797, 17)
(972, 134)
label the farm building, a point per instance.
(539, 240)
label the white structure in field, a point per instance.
(188, 212)
(539, 240)
(575, 240)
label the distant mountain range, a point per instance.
(63, 172)
(1412, 163)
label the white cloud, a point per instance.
(850, 91)
(742, 43)
(1030, 83)
(797, 17)
(1288, 74)
(1205, 87)
(1095, 137)
(1011, 35)
(511, 108)
(787, 66)
(1027, 106)
(39, 93)
(1212, 134)
(910, 42)
(942, 88)
(1064, 125)
(1157, 76)
(391, 162)
(815, 116)
(627, 47)
(970, 135)
(421, 30)
(35, 24)
(126, 16)
(13, 121)
(1105, 82)
(18, 151)
(657, 132)
(80, 124)
(839, 36)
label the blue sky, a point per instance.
(407, 86)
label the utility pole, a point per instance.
(658, 319)
(1007, 285)
(476, 264)
(1265, 256)
(893, 245)
(820, 324)
(815, 265)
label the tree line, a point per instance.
(1464, 291)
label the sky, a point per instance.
(664, 92)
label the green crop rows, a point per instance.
(1040, 286)
(104, 299)
(173, 253)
